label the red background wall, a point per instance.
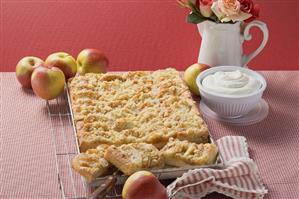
(135, 34)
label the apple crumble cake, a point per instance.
(134, 107)
(92, 163)
(183, 153)
(133, 157)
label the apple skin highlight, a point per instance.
(92, 61)
(47, 82)
(190, 75)
(25, 68)
(64, 62)
(145, 185)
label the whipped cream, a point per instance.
(231, 83)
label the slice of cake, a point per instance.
(130, 158)
(183, 153)
(92, 163)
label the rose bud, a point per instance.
(186, 3)
(205, 7)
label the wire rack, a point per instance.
(71, 185)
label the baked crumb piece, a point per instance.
(92, 163)
(133, 157)
(183, 153)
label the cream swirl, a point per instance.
(231, 83)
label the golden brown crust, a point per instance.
(183, 153)
(134, 107)
(130, 158)
(92, 163)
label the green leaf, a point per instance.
(195, 18)
(195, 9)
(214, 18)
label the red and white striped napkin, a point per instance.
(238, 178)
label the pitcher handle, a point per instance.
(263, 27)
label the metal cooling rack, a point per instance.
(71, 184)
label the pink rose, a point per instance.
(205, 7)
(229, 7)
(229, 10)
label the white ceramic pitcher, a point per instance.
(222, 44)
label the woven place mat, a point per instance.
(28, 163)
(28, 159)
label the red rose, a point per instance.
(255, 11)
(246, 5)
(249, 7)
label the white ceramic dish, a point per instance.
(231, 106)
(257, 114)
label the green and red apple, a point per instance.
(25, 68)
(92, 61)
(145, 185)
(191, 74)
(64, 62)
(47, 82)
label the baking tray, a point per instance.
(162, 174)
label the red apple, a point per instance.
(47, 82)
(64, 62)
(145, 185)
(25, 68)
(92, 61)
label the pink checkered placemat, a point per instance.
(27, 167)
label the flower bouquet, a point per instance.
(220, 11)
(223, 26)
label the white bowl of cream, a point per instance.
(231, 91)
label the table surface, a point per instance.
(28, 167)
